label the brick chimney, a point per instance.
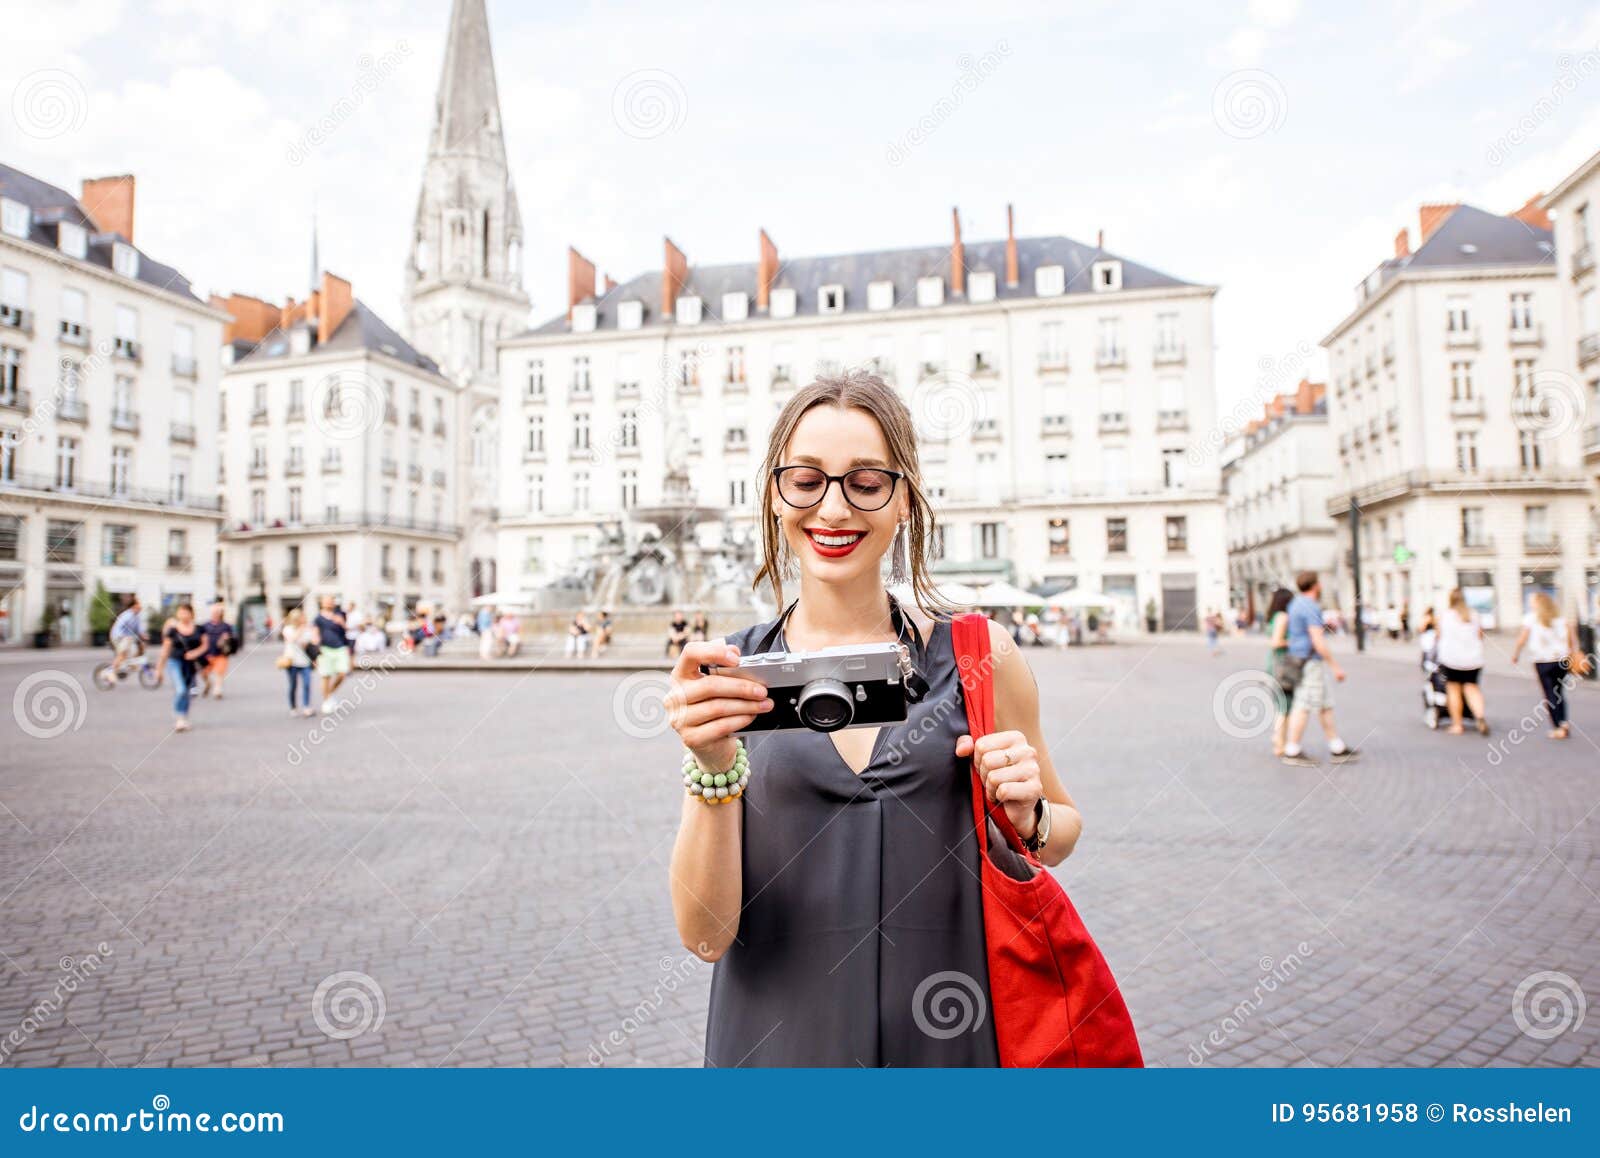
(251, 318)
(674, 272)
(580, 279)
(958, 257)
(611, 283)
(1011, 249)
(766, 271)
(1533, 214)
(1431, 216)
(1306, 395)
(1402, 243)
(333, 305)
(109, 202)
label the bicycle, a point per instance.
(106, 677)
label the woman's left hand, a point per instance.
(1009, 766)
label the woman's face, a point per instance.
(832, 539)
(185, 617)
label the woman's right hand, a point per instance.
(705, 710)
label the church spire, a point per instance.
(467, 114)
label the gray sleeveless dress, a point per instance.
(861, 938)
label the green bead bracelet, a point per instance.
(717, 787)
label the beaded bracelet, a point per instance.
(717, 787)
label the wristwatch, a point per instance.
(1041, 831)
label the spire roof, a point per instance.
(467, 112)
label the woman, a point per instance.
(511, 632)
(1460, 652)
(182, 643)
(296, 663)
(1550, 639)
(852, 878)
(602, 632)
(677, 634)
(1278, 634)
(578, 635)
(699, 628)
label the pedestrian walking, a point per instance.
(221, 643)
(295, 661)
(1306, 639)
(1277, 621)
(1460, 652)
(1551, 640)
(182, 645)
(333, 651)
(825, 907)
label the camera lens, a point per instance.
(824, 705)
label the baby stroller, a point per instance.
(1435, 701)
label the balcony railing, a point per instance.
(1057, 424)
(983, 366)
(72, 410)
(1462, 338)
(15, 399)
(730, 384)
(83, 489)
(179, 562)
(128, 348)
(290, 575)
(1172, 420)
(929, 369)
(414, 473)
(1480, 545)
(1529, 335)
(1104, 359)
(1582, 260)
(1466, 408)
(258, 416)
(183, 432)
(1052, 361)
(1112, 421)
(438, 576)
(986, 428)
(415, 422)
(16, 318)
(258, 470)
(184, 365)
(627, 390)
(390, 414)
(782, 376)
(1591, 440)
(295, 413)
(439, 429)
(74, 333)
(390, 468)
(359, 520)
(1588, 349)
(332, 466)
(294, 469)
(126, 421)
(438, 478)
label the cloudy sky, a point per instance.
(1269, 147)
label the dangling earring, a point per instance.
(899, 569)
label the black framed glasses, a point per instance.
(865, 488)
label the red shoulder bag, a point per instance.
(1053, 998)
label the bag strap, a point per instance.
(969, 632)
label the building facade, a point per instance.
(1441, 383)
(1278, 482)
(1060, 393)
(1573, 206)
(341, 466)
(108, 401)
(463, 278)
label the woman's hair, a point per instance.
(1428, 621)
(1458, 603)
(1281, 598)
(865, 391)
(189, 607)
(295, 617)
(1544, 609)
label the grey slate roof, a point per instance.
(854, 271)
(1493, 240)
(361, 330)
(51, 206)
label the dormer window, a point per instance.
(15, 218)
(980, 285)
(583, 318)
(735, 307)
(1106, 275)
(782, 303)
(830, 299)
(630, 315)
(930, 291)
(125, 259)
(73, 240)
(300, 341)
(880, 295)
(1050, 281)
(689, 310)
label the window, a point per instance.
(580, 430)
(72, 240)
(1466, 451)
(735, 307)
(1052, 351)
(1177, 533)
(66, 463)
(535, 434)
(1173, 465)
(1107, 275)
(13, 295)
(830, 299)
(121, 469)
(125, 259)
(688, 368)
(121, 399)
(1461, 381)
(1536, 527)
(116, 549)
(1116, 536)
(291, 568)
(535, 493)
(10, 538)
(536, 378)
(330, 560)
(989, 537)
(630, 488)
(1458, 315)
(1108, 341)
(1530, 452)
(736, 364)
(736, 438)
(1521, 313)
(61, 541)
(580, 374)
(930, 291)
(580, 490)
(1050, 281)
(1171, 397)
(738, 492)
(630, 315)
(297, 398)
(880, 295)
(689, 309)
(628, 430)
(932, 353)
(783, 362)
(584, 315)
(1167, 341)
(532, 553)
(74, 315)
(1114, 468)
(830, 356)
(15, 218)
(177, 547)
(258, 506)
(10, 444)
(178, 481)
(983, 356)
(411, 563)
(980, 285)
(781, 303)
(296, 505)
(1059, 534)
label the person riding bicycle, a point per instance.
(127, 635)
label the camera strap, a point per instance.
(916, 686)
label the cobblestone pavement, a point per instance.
(471, 870)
